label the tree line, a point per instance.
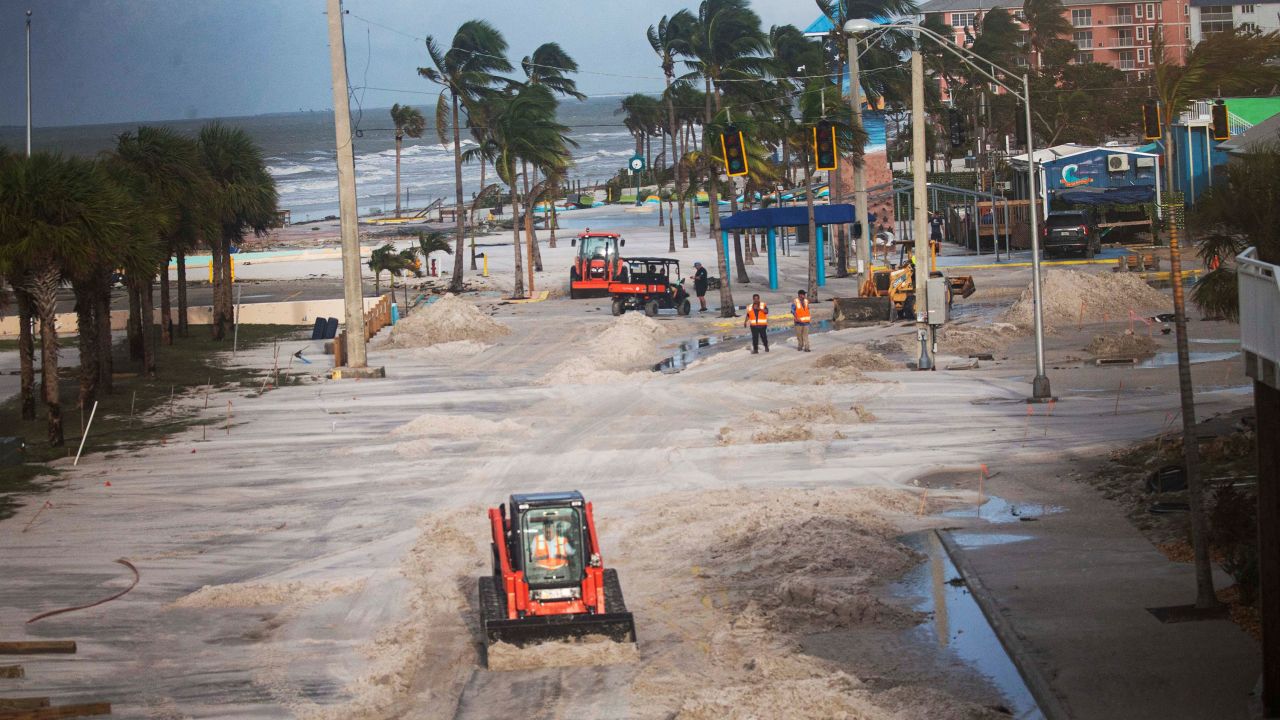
(119, 218)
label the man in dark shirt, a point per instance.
(700, 285)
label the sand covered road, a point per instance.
(319, 559)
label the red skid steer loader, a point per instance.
(549, 581)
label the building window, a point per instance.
(1084, 58)
(1151, 33)
(961, 20)
(1249, 27)
(1142, 56)
(1246, 9)
(1019, 16)
(1124, 39)
(1126, 61)
(1151, 11)
(1084, 39)
(1141, 33)
(1123, 17)
(1082, 18)
(1186, 11)
(1214, 19)
(1137, 10)
(1020, 61)
(1186, 33)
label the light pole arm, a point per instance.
(952, 48)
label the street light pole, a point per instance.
(1040, 391)
(28, 83)
(919, 200)
(859, 170)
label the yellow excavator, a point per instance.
(897, 284)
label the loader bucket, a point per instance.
(862, 310)
(619, 627)
(961, 285)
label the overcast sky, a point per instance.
(98, 61)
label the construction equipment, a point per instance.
(597, 264)
(897, 282)
(549, 581)
(650, 284)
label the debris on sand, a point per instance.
(1122, 345)
(628, 345)
(1075, 296)
(834, 695)
(246, 595)
(582, 652)
(449, 319)
(857, 356)
(792, 424)
(845, 365)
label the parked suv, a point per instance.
(1067, 231)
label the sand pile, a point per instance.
(449, 319)
(585, 652)
(1122, 345)
(858, 356)
(820, 421)
(965, 340)
(836, 697)
(628, 345)
(1075, 296)
(245, 595)
(845, 365)
(456, 426)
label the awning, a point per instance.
(1131, 195)
(793, 216)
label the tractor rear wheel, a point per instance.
(651, 308)
(618, 308)
(685, 308)
(613, 602)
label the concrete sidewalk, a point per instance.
(1075, 586)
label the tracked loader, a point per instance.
(549, 581)
(892, 290)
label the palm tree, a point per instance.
(550, 66)
(408, 121)
(431, 241)
(724, 43)
(392, 261)
(524, 129)
(56, 214)
(245, 200)
(466, 73)
(666, 38)
(1046, 21)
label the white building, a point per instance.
(1207, 17)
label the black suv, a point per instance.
(1070, 231)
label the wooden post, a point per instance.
(36, 647)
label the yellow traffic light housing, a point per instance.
(825, 150)
(1151, 125)
(734, 147)
(1221, 128)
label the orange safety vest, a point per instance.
(801, 311)
(551, 557)
(758, 317)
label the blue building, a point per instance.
(1089, 175)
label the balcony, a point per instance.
(1119, 20)
(1127, 64)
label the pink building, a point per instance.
(1119, 34)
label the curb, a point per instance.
(1036, 683)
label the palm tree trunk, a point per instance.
(182, 292)
(399, 139)
(217, 327)
(43, 286)
(473, 243)
(518, 288)
(722, 263)
(531, 233)
(134, 327)
(228, 289)
(674, 131)
(455, 282)
(671, 227)
(87, 338)
(26, 351)
(147, 298)
(166, 311)
(102, 314)
(555, 193)
(659, 175)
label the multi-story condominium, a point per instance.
(1116, 33)
(1207, 17)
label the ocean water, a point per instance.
(299, 151)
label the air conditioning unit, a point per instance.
(1117, 163)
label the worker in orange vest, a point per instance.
(800, 313)
(551, 550)
(758, 321)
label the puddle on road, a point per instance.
(694, 349)
(1170, 359)
(1216, 341)
(998, 510)
(957, 624)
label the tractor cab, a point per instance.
(597, 263)
(548, 539)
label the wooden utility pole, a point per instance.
(352, 286)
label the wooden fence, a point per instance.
(375, 318)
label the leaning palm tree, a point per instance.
(245, 200)
(524, 129)
(549, 65)
(55, 213)
(408, 121)
(1046, 22)
(466, 73)
(667, 38)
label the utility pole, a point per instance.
(920, 202)
(1040, 390)
(353, 289)
(28, 83)
(859, 176)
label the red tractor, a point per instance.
(549, 581)
(597, 264)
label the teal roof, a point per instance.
(821, 26)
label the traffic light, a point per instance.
(824, 146)
(1151, 120)
(735, 151)
(1221, 129)
(956, 125)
